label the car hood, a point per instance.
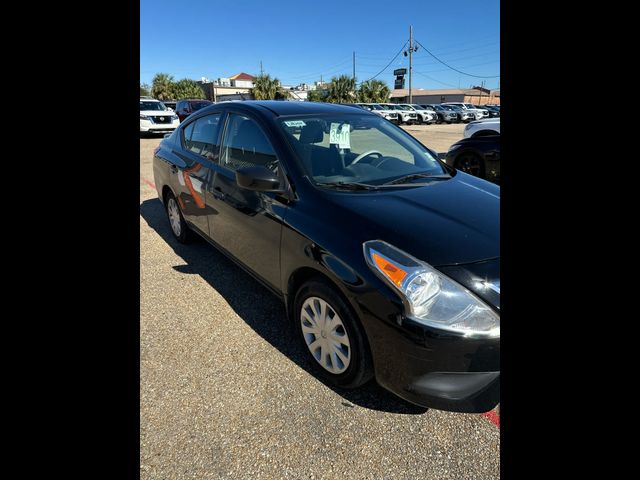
(157, 113)
(447, 222)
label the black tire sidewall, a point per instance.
(360, 370)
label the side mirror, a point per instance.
(258, 178)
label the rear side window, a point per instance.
(201, 136)
(245, 145)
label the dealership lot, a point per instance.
(226, 391)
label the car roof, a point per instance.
(281, 108)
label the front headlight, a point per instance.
(174, 118)
(429, 296)
(144, 117)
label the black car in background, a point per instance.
(384, 269)
(184, 108)
(478, 156)
(493, 111)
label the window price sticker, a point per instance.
(340, 134)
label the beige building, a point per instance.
(475, 96)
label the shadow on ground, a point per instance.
(260, 309)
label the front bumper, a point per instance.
(147, 126)
(433, 368)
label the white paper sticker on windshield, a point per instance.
(294, 123)
(340, 135)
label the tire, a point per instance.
(358, 370)
(177, 224)
(471, 163)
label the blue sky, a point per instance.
(297, 40)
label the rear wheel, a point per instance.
(179, 227)
(331, 336)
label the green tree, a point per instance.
(145, 90)
(161, 86)
(267, 88)
(318, 95)
(342, 90)
(374, 91)
(186, 88)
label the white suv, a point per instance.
(155, 117)
(424, 115)
(478, 112)
(479, 128)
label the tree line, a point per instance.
(342, 89)
(165, 87)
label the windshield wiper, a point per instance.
(348, 185)
(414, 176)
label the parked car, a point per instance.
(424, 115)
(367, 237)
(184, 108)
(478, 156)
(479, 113)
(405, 115)
(465, 116)
(479, 128)
(391, 115)
(493, 111)
(444, 115)
(155, 117)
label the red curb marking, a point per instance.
(493, 417)
(151, 184)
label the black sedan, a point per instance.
(478, 156)
(387, 259)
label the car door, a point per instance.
(247, 223)
(199, 144)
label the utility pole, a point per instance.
(410, 62)
(261, 70)
(354, 66)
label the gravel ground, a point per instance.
(226, 392)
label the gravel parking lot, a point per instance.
(227, 393)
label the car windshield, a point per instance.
(468, 105)
(356, 149)
(198, 105)
(152, 106)
(375, 107)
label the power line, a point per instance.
(438, 81)
(387, 66)
(453, 68)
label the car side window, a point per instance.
(201, 136)
(245, 145)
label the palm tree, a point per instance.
(318, 95)
(265, 87)
(374, 91)
(342, 90)
(161, 86)
(186, 88)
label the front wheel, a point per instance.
(470, 163)
(332, 336)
